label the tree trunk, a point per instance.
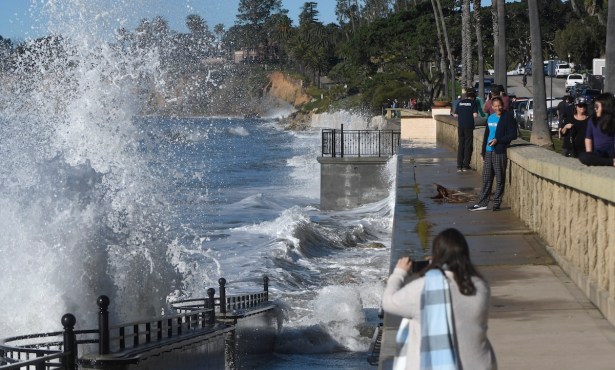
(479, 49)
(500, 72)
(466, 46)
(441, 44)
(541, 134)
(448, 49)
(496, 39)
(609, 81)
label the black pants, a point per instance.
(596, 159)
(465, 145)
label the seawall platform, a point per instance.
(539, 319)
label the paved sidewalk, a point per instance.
(538, 318)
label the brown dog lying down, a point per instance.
(452, 196)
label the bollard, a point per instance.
(266, 287)
(70, 342)
(212, 304)
(222, 282)
(103, 324)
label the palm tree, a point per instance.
(448, 47)
(609, 82)
(466, 46)
(479, 48)
(500, 72)
(541, 134)
(441, 44)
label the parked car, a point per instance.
(588, 95)
(516, 72)
(518, 108)
(552, 119)
(573, 79)
(562, 69)
(575, 91)
(487, 83)
(528, 115)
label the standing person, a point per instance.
(466, 295)
(466, 111)
(496, 91)
(524, 80)
(573, 131)
(600, 133)
(564, 110)
(500, 131)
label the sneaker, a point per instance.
(476, 207)
(459, 169)
(466, 169)
(495, 208)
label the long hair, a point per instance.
(606, 121)
(450, 250)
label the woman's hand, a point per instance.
(405, 263)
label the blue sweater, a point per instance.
(505, 133)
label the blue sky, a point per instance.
(22, 19)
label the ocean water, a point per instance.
(96, 198)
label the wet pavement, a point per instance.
(539, 319)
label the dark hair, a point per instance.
(606, 121)
(450, 249)
(495, 90)
(470, 95)
(498, 99)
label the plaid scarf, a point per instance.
(438, 350)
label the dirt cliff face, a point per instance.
(286, 88)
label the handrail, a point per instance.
(55, 353)
(359, 143)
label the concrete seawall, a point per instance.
(569, 205)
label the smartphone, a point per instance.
(419, 265)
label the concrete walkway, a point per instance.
(538, 318)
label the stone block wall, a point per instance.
(571, 207)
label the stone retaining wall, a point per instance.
(571, 207)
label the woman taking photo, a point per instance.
(600, 134)
(573, 131)
(467, 306)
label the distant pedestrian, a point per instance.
(600, 134)
(524, 79)
(466, 111)
(500, 131)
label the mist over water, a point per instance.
(98, 198)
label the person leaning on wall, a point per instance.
(600, 133)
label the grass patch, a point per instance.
(557, 142)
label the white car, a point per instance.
(516, 72)
(562, 69)
(573, 79)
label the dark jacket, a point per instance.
(505, 133)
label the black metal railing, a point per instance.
(359, 143)
(59, 350)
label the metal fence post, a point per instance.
(222, 282)
(103, 324)
(70, 342)
(266, 287)
(212, 304)
(342, 141)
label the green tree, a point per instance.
(541, 134)
(583, 40)
(479, 48)
(609, 82)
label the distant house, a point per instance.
(256, 55)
